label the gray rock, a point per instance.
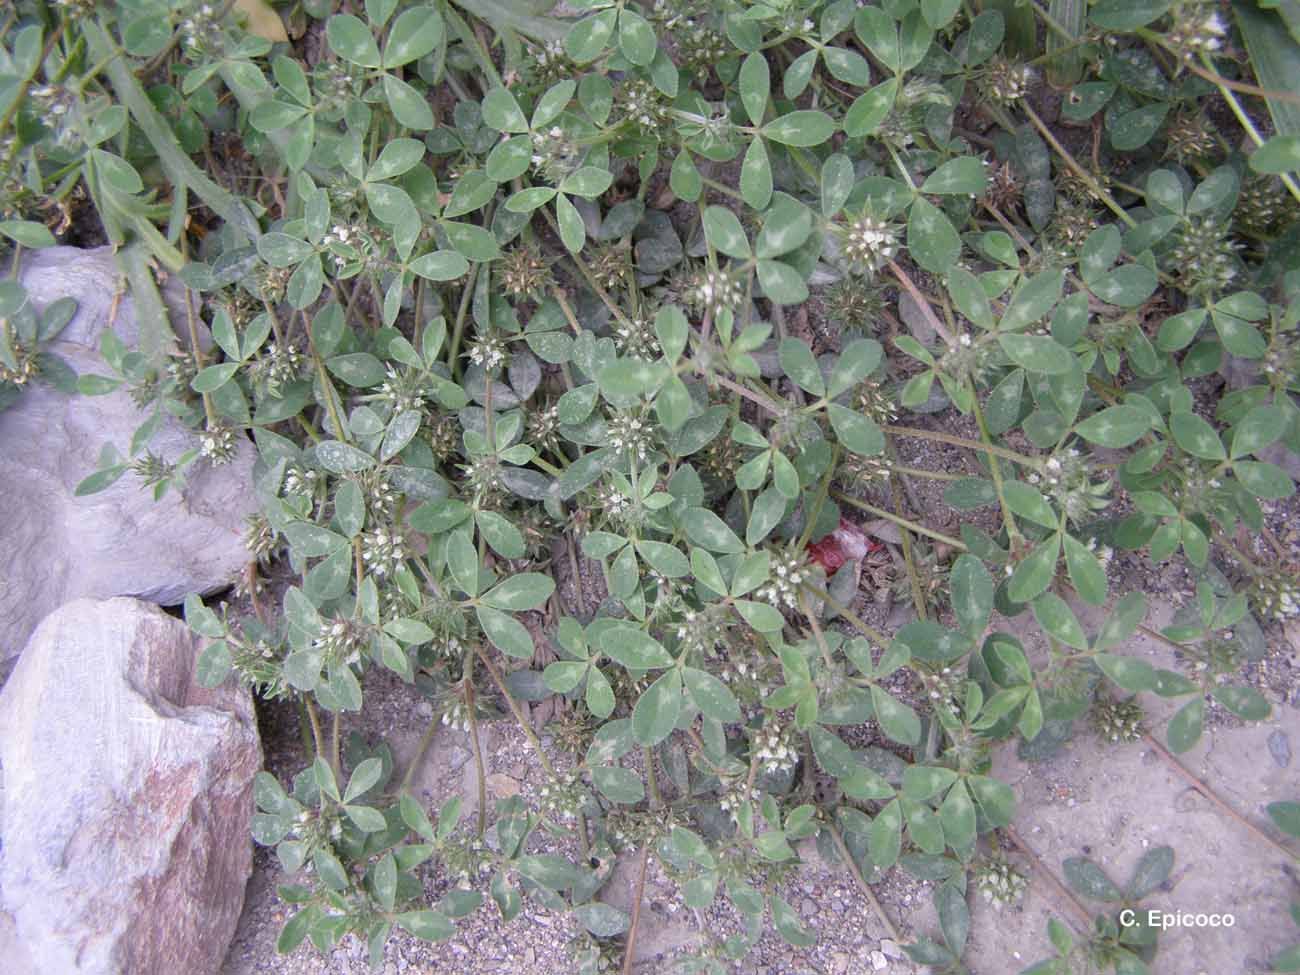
(55, 547)
(127, 796)
(1279, 746)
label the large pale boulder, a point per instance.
(120, 542)
(127, 794)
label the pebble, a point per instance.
(878, 961)
(1279, 746)
(839, 963)
(891, 949)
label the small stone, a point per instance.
(891, 949)
(839, 963)
(1279, 746)
(878, 961)
(502, 786)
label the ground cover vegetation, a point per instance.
(496, 289)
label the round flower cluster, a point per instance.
(402, 391)
(1189, 136)
(352, 249)
(964, 359)
(278, 365)
(341, 641)
(774, 747)
(217, 444)
(315, 831)
(259, 666)
(699, 631)
(523, 273)
(911, 108)
(1281, 363)
(334, 85)
(466, 860)
(201, 31)
(181, 372)
(1001, 884)
(1118, 720)
(642, 104)
(1203, 256)
(735, 796)
(635, 337)
(383, 551)
(1072, 224)
(555, 154)
(717, 291)
(259, 537)
(1198, 28)
(483, 478)
(856, 304)
(301, 481)
(1066, 479)
(1006, 82)
(272, 281)
(380, 495)
(862, 471)
(700, 47)
(872, 401)
(612, 503)
(455, 715)
(152, 468)
(1264, 205)
(50, 102)
(869, 242)
(630, 435)
(443, 434)
(550, 64)
(942, 686)
(1275, 596)
(1193, 486)
(562, 800)
(25, 366)
(488, 351)
(610, 266)
(544, 427)
(786, 574)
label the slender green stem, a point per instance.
(1214, 798)
(336, 753)
(458, 327)
(861, 881)
(995, 469)
(471, 708)
(818, 635)
(317, 733)
(922, 472)
(956, 441)
(520, 717)
(1079, 910)
(922, 302)
(1249, 125)
(1095, 188)
(637, 898)
(823, 489)
(652, 777)
(866, 629)
(899, 520)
